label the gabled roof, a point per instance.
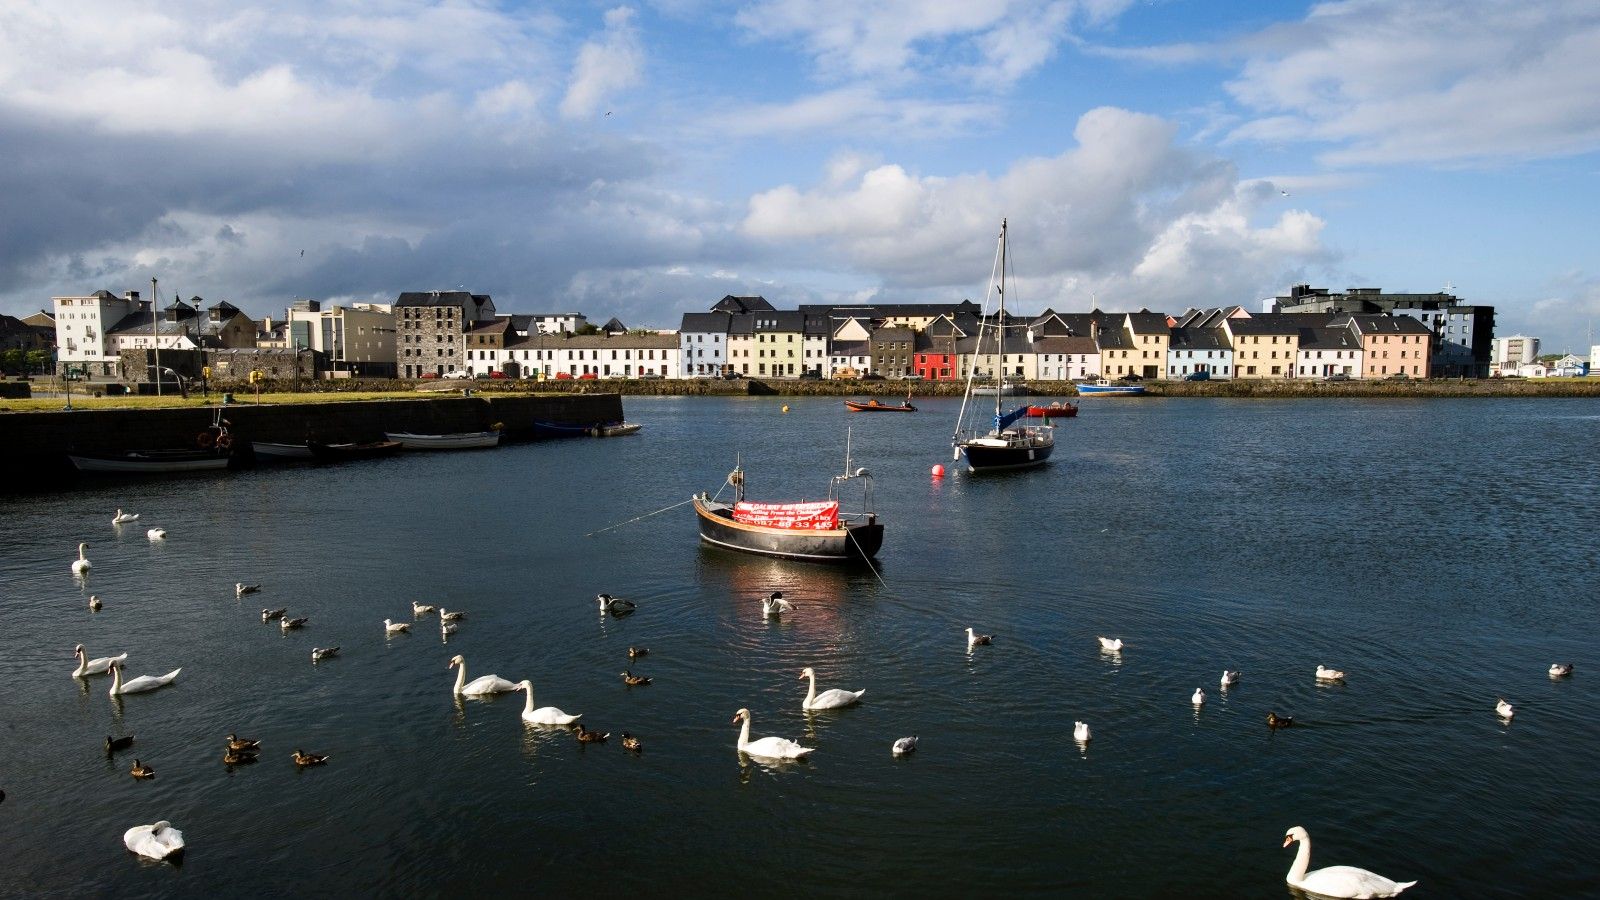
(1200, 339)
(1112, 338)
(614, 326)
(500, 325)
(1276, 323)
(463, 299)
(850, 348)
(705, 323)
(1084, 345)
(732, 304)
(648, 341)
(781, 321)
(883, 335)
(1146, 322)
(1379, 324)
(1329, 339)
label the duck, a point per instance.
(240, 588)
(243, 744)
(1229, 679)
(768, 747)
(87, 666)
(395, 627)
(288, 624)
(140, 684)
(633, 680)
(629, 742)
(141, 771)
(94, 603)
(830, 699)
(1335, 881)
(1112, 644)
(421, 609)
(267, 615)
(158, 841)
(1504, 709)
(1560, 670)
(115, 744)
(616, 605)
(774, 605)
(544, 715)
(1199, 698)
(447, 616)
(156, 534)
(1326, 674)
(123, 518)
(232, 757)
(1276, 721)
(585, 736)
(309, 759)
(1080, 732)
(636, 652)
(81, 566)
(318, 654)
(974, 639)
(904, 746)
(481, 686)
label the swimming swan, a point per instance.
(768, 747)
(122, 518)
(140, 684)
(480, 686)
(1336, 881)
(80, 566)
(158, 841)
(830, 699)
(544, 715)
(87, 666)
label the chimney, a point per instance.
(131, 296)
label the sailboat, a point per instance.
(1007, 445)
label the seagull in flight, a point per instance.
(1283, 192)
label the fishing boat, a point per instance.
(470, 440)
(875, 406)
(812, 531)
(269, 451)
(1057, 410)
(362, 450)
(615, 429)
(1007, 445)
(1107, 388)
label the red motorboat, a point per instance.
(1055, 410)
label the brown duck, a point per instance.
(140, 770)
(585, 736)
(309, 759)
(629, 742)
(1276, 721)
(633, 680)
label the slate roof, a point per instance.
(1146, 322)
(1084, 345)
(1200, 339)
(732, 304)
(1114, 339)
(651, 341)
(883, 335)
(850, 348)
(471, 302)
(1329, 339)
(705, 323)
(1375, 324)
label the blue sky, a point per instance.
(644, 159)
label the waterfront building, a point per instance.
(703, 344)
(891, 349)
(814, 344)
(1391, 346)
(487, 345)
(82, 330)
(1463, 333)
(430, 329)
(1569, 366)
(358, 341)
(1265, 346)
(1328, 351)
(549, 356)
(933, 354)
(1065, 358)
(849, 359)
(17, 334)
(1151, 337)
(1510, 352)
(769, 343)
(555, 323)
(1196, 350)
(1594, 360)
(1115, 346)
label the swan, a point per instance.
(1199, 698)
(318, 654)
(1326, 674)
(158, 841)
(94, 603)
(87, 666)
(616, 605)
(240, 588)
(122, 518)
(773, 605)
(768, 747)
(395, 627)
(1112, 644)
(1505, 709)
(830, 699)
(80, 566)
(156, 534)
(421, 609)
(544, 715)
(1560, 670)
(1229, 679)
(1080, 732)
(903, 746)
(480, 686)
(974, 640)
(140, 684)
(1336, 881)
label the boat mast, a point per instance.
(1000, 334)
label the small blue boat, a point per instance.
(1104, 388)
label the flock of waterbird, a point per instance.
(162, 841)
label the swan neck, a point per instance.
(744, 733)
(116, 680)
(811, 694)
(1302, 859)
(527, 688)
(461, 677)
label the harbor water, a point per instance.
(1440, 552)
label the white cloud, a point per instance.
(851, 110)
(607, 65)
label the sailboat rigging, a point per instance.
(1007, 445)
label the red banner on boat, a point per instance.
(820, 516)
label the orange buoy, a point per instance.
(938, 471)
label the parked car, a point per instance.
(872, 376)
(1132, 377)
(650, 376)
(456, 374)
(1399, 376)
(497, 375)
(482, 376)
(588, 376)
(1337, 376)
(731, 376)
(563, 376)
(1197, 376)
(811, 375)
(914, 376)
(430, 374)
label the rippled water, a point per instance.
(1441, 552)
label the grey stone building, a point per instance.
(431, 327)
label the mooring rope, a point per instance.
(637, 518)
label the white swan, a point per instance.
(1199, 698)
(157, 841)
(1229, 679)
(1326, 674)
(395, 627)
(768, 747)
(1080, 732)
(774, 605)
(80, 566)
(87, 666)
(830, 699)
(1504, 709)
(974, 639)
(140, 684)
(1560, 670)
(122, 518)
(544, 715)
(1112, 644)
(903, 746)
(480, 686)
(1336, 881)
(156, 534)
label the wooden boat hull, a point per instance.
(869, 406)
(855, 542)
(367, 450)
(465, 441)
(268, 450)
(152, 462)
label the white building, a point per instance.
(702, 344)
(1191, 351)
(849, 359)
(1569, 366)
(1064, 359)
(357, 340)
(555, 323)
(1594, 360)
(1328, 351)
(599, 356)
(1511, 352)
(82, 324)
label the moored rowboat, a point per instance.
(460, 441)
(366, 450)
(152, 461)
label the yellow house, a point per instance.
(1151, 337)
(1264, 346)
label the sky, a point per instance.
(644, 159)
